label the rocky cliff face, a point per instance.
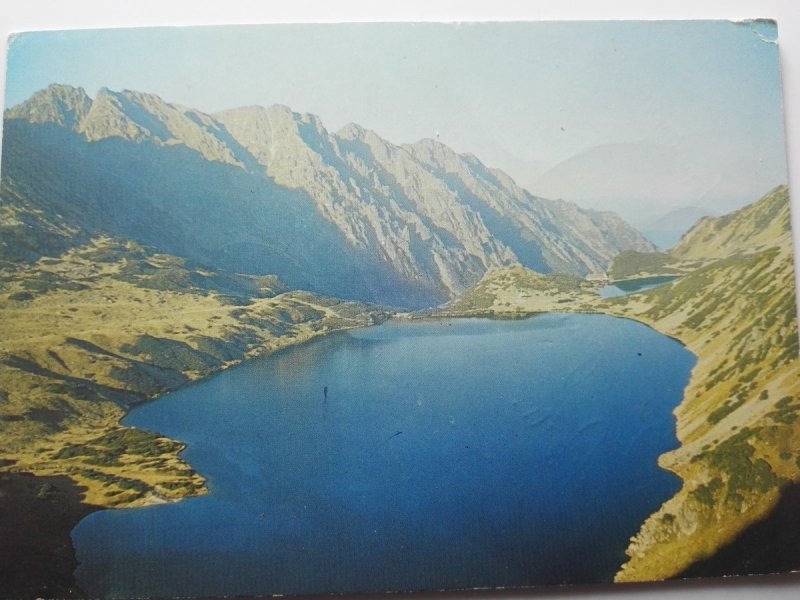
(417, 223)
(375, 194)
(399, 200)
(61, 105)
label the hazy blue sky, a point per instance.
(636, 116)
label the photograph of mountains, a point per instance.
(358, 308)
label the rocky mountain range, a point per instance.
(267, 190)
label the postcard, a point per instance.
(363, 308)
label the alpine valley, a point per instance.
(145, 245)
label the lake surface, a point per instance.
(447, 454)
(632, 286)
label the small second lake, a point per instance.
(632, 286)
(413, 455)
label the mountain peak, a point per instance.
(109, 116)
(430, 150)
(436, 148)
(283, 111)
(140, 116)
(60, 104)
(431, 145)
(351, 131)
(276, 109)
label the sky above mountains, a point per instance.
(637, 117)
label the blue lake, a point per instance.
(447, 454)
(632, 286)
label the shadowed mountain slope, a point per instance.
(267, 190)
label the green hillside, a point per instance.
(739, 422)
(86, 335)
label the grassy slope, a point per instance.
(631, 264)
(90, 333)
(518, 291)
(759, 225)
(739, 423)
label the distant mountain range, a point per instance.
(757, 226)
(266, 190)
(666, 230)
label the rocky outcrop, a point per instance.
(61, 105)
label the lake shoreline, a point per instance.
(741, 400)
(521, 316)
(40, 464)
(515, 308)
(186, 417)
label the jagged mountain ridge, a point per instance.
(429, 193)
(411, 225)
(168, 195)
